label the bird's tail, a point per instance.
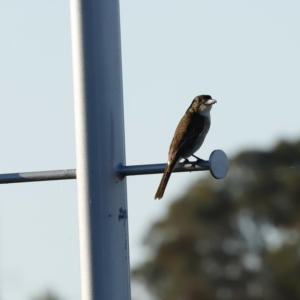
(164, 181)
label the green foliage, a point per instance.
(237, 238)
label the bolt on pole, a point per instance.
(99, 131)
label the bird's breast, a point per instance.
(199, 140)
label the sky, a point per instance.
(245, 54)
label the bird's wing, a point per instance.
(188, 129)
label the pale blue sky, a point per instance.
(244, 53)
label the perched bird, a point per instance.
(189, 136)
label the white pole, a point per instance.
(99, 128)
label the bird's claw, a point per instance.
(187, 164)
(192, 164)
(198, 161)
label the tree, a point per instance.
(232, 239)
(46, 296)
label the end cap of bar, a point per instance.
(218, 164)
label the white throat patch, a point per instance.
(204, 109)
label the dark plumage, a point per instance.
(189, 136)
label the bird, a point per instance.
(188, 137)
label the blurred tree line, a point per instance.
(236, 238)
(47, 295)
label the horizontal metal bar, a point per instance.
(159, 168)
(217, 165)
(71, 174)
(38, 176)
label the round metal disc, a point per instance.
(218, 164)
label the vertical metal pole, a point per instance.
(99, 127)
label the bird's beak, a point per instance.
(210, 102)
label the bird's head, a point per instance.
(202, 104)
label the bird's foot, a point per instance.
(187, 164)
(198, 159)
(192, 164)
